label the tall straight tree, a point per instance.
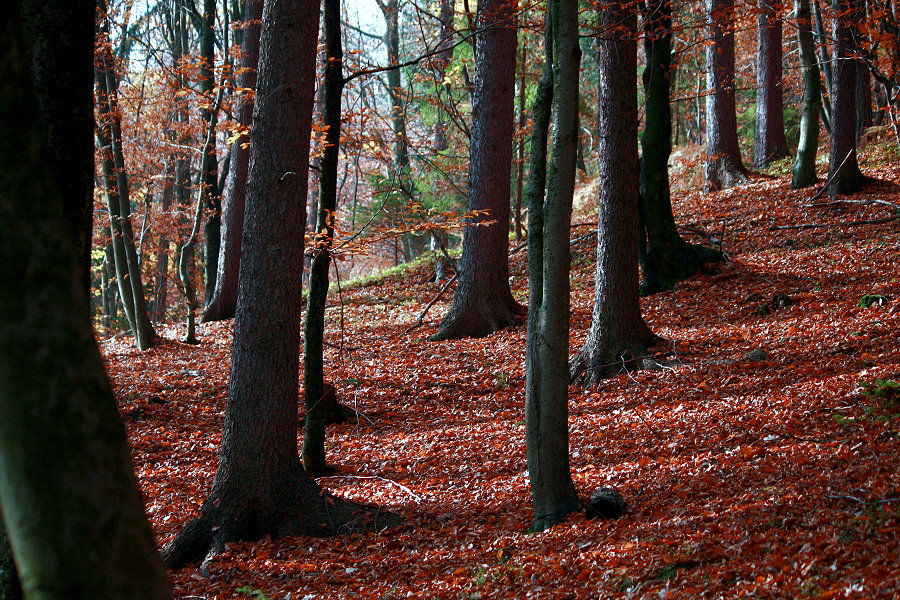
(723, 155)
(71, 504)
(224, 299)
(803, 173)
(260, 487)
(313, 340)
(770, 142)
(547, 376)
(843, 168)
(665, 257)
(483, 302)
(618, 337)
(209, 175)
(116, 187)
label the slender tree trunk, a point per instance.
(209, 177)
(843, 169)
(825, 61)
(222, 305)
(724, 168)
(520, 160)
(618, 338)
(770, 143)
(804, 172)
(665, 257)
(483, 302)
(441, 62)
(115, 177)
(161, 290)
(313, 341)
(391, 12)
(260, 487)
(73, 516)
(547, 387)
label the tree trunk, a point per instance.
(770, 143)
(66, 131)
(724, 168)
(260, 487)
(547, 375)
(665, 257)
(618, 338)
(441, 62)
(161, 289)
(391, 11)
(483, 302)
(864, 118)
(10, 587)
(313, 340)
(115, 178)
(224, 300)
(74, 515)
(804, 172)
(210, 175)
(843, 169)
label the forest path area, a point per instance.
(759, 462)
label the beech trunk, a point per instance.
(483, 302)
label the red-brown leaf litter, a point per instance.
(754, 461)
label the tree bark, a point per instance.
(618, 338)
(803, 173)
(209, 177)
(260, 487)
(547, 376)
(770, 143)
(73, 515)
(843, 169)
(483, 302)
(224, 300)
(313, 340)
(724, 168)
(10, 587)
(665, 257)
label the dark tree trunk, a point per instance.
(222, 305)
(209, 177)
(67, 131)
(804, 172)
(843, 169)
(864, 118)
(665, 257)
(483, 302)
(547, 375)
(724, 168)
(618, 338)
(161, 289)
(74, 516)
(10, 587)
(520, 159)
(313, 340)
(770, 143)
(260, 487)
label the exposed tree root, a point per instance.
(298, 507)
(592, 365)
(664, 267)
(480, 320)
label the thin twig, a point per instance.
(833, 175)
(420, 321)
(399, 485)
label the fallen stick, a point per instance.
(420, 321)
(833, 202)
(833, 175)
(822, 225)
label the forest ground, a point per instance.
(747, 475)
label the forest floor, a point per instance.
(761, 464)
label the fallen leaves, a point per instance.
(745, 479)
